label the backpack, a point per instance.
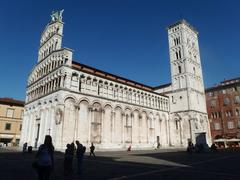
(44, 157)
(83, 149)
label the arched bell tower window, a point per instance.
(179, 69)
(179, 53)
(176, 55)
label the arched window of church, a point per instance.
(176, 123)
(179, 69)
(176, 55)
(179, 40)
(56, 45)
(194, 71)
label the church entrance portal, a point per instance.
(200, 138)
(37, 135)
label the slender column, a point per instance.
(139, 127)
(89, 123)
(41, 130)
(131, 119)
(123, 127)
(77, 108)
(113, 126)
(160, 129)
(61, 81)
(24, 128)
(154, 129)
(148, 121)
(102, 111)
(180, 129)
(29, 127)
(169, 133)
(190, 129)
(51, 121)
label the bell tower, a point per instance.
(51, 37)
(186, 71)
(188, 113)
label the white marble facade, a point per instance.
(71, 101)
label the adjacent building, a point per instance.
(72, 101)
(11, 114)
(223, 106)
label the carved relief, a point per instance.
(58, 116)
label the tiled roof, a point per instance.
(109, 76)
(112, 77)
(224, 84)
(162, 86)
(11, 101)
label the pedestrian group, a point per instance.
(44, 160)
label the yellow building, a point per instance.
(11, 114)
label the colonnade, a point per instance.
(106, 125)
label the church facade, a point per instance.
(72, 101)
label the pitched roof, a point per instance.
(11, 101)
(112, 77)
(106, 75)
(162, 86)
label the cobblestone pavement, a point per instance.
(155, 164)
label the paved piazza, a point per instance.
(159, 164)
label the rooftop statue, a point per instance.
(57, 15)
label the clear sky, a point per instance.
(123, 37)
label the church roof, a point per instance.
(112, 77)
(162, 86)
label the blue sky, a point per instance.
(124, 37)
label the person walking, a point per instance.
(79, 153)
(68, 160)
(24, 150)
(45, 160)
(92, 148)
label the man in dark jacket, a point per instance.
(80, 152)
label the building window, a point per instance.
(176, 123)
(230, 125)
(20, 128)
(237, 112)
(210, 94)
(213, 103)
(226, 101)
(219, 114)
(238, 124)
(22, 114)
(237, 99)
(217, 126)
(8, 126)
(10, 113)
